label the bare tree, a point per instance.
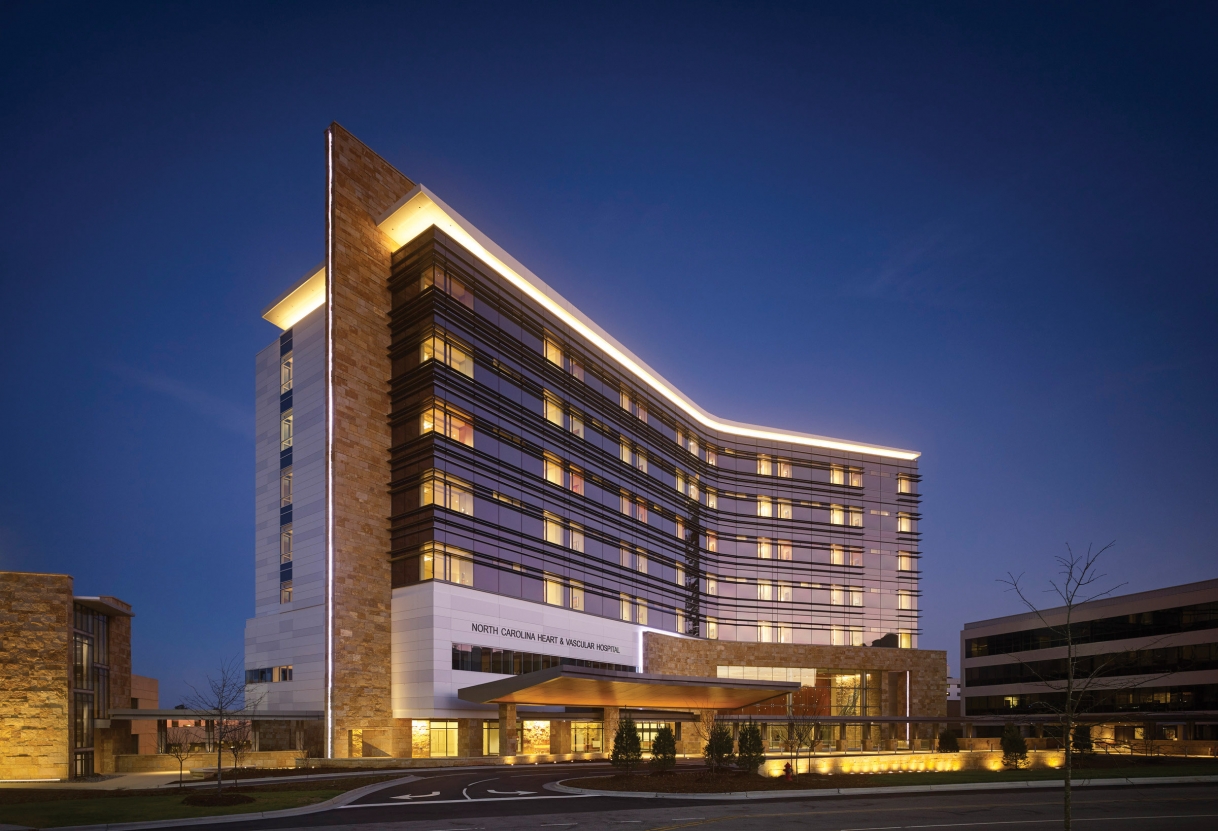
(177, 745)
(238, 735)
(222, 702)
(803, 734)
(1075, 585)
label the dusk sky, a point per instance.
(982, 231)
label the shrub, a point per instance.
(664, 750)
(1014, 747)
(752, 749)
(627, 747)
(948, 742)
(718, 749)
(1082, 739)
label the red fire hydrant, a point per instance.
(787, 769)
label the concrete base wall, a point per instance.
(160, 763)
(885, 762)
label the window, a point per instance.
(712, 628)
(442, 562)
(679, 625)
(906, 524)
(785, 550)
(712, 585)
(576, 594)
(285, 487)
(687, 485)
(687, 441)
(907, 601)
(907, 484)
(905, 640)
(625, 608)
(765, 466)
(444, 738)
(840, 555)
(555, 414)
(633, 560)
(846, 476)
(587, 736)
(856, 517)
(640, 611)
(856, 596)
(679, 576)
(285, 544)
(711, 458)
(565, 476)
(856, 478)
(448, 284)
(557, 356)
(631, 455)
(765, 506)
(784, 509)
(906, 561)
(765, 549)
(634, 507)
(783, 593)
(784, 469)
(285, 374)
(633, 405)
(837, 475)
(765, 633)
(285, 564)
(285, 430)
(784, 634)
(837, 515)
(765, 590)
(712, 541)
(561, 532)
(442, 347)
(285, 591)
(846, 636)
(448, 421)
(554, 591)
(490, 738)
(712, 499)
(448, 492)
(837, 595)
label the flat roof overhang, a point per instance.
(119, 714)
(584, 687)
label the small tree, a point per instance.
(1014, 747)
(752, 748)
(239, 734)
(627, 747)
(177, 745)
(664, 750)
(1081, 742)
(718, 749)
(222, 701)
(803, 734)
(948, 742)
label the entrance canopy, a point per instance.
(585, 687)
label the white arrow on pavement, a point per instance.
(512, 793)
(416, 795)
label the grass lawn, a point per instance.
(702, 782)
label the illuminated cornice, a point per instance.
(302, 298)
(420, 209)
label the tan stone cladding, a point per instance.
(35, 660)
(364, 187)
(666, 655)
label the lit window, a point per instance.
(440, 347)
(784, 470)
(837, 475)
(285, 591)
(765, 549)
(905, 640)
(686, 485)
(711, 458)
(447, 492)
(285, 487)
(679, 528)
(561, 532)
(553, 409)
(285, 430)
(907, 601)
(712, 585)
(285, 373)
(577, 595)
(765, 633)
(285, 544)
(783, 593)
(687, 441)
(680, 575)
(765, 466)
(712, 499)
(906, 484)
(679, 627)
(906, 561)
(765, 590)
(448, 284)
(553, 591)
(785, 550)
(625, 608)
(556, 356)
(837, 595)
(553, 471)
(442, 562)
(447, 421)
(283, 673)
(856, 478)
(632, 405)
(633, 560)
(444, 739)
(553, 352)
(712, 541)
(847, 635)
(632, 455)
(856, 596)
(784, 509)
(840, 555)
(712, 628)
(784, 634)
(633, 507)
(641, 612)
(856, 517)
(906, 524)
(837, 515)
(765, 506)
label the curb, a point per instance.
(329, 804)
(741, 796)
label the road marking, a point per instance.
(465, 790)
(511, 793)
(416, 795)
(461, 801)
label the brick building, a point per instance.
(65, 662)
(462, 480)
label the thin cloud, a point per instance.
(221, 412)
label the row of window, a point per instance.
(472, 658)
(268, 675)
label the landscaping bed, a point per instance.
(702, 781)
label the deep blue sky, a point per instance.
(984, 231)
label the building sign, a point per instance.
(541, 637)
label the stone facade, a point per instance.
(927, 668)
(35, 659)
(364, 187)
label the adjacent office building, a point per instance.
(1152, 652)
(463, 480)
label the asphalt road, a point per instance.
(490, 800)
